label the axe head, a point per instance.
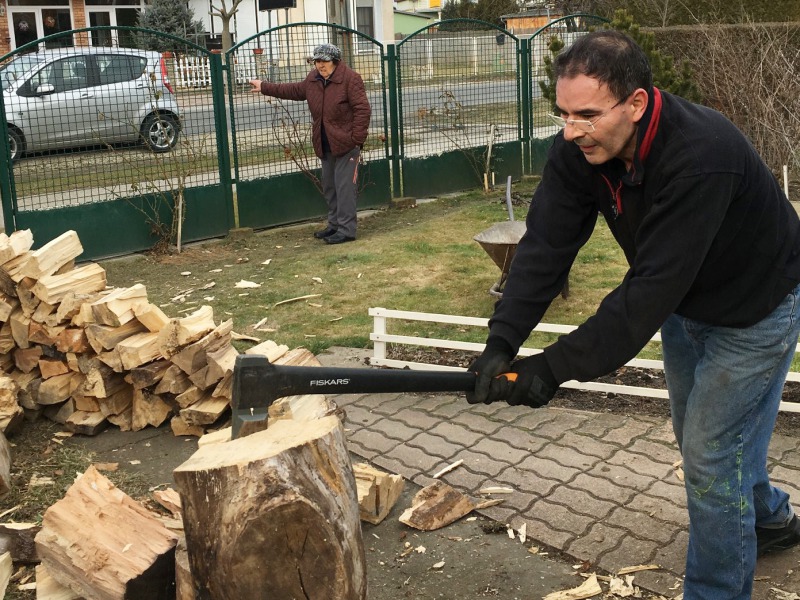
(254, 390)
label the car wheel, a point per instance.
(15, 144)
(160, 132)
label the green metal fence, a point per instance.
(102, 142)
(277, 172)
(116, 142)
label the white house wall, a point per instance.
(249, 20)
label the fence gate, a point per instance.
(100, 140)
(458, 107)
(277, 173)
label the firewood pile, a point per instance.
(86, 355)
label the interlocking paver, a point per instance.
(631, 548)
(560, 517)
(656, 451)
(548, 468)
(419, 419)
(457, 433)
(414, 457)
(373, 440)
(533, 419)
(660, 510)
(477, 423)
(435, 445)
(642, 524)
(601, 424)
(672, 556)
(599, 539)
(392, 428)
(603, 487)
(357, 417)
(520, 479)
(588, 444)
(672, 491)
(481, 463)
(619, 475)
(641, 464)
(564, 422)
(430, 402)
(467, 480)
(500, 450)
(581, 501)
(568, 456)
(631, 430)
(543, 533)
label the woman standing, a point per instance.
(340, 111)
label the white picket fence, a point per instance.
(380, 338)
(195, 71)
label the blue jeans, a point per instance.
(725, 386)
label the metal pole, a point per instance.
(288, 47)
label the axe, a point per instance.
(257, 383)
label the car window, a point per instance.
(64, 75)
(116, 69)
(11, 72)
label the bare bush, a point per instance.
(751, 74)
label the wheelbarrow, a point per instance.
(500, 243)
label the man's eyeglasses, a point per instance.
(582, 125)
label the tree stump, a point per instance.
(274, 514)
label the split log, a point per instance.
(139, 349)
(276, 510)
(13, 269)
(5, 465)
(86, 423)
(180, 427)
(6, 571)
(269, 349)
(86, 403)
(100, 380)
(53, 255)
(73, 339)
(8, 304)
(174, 381)
(20, 323)
(182, 332)
(184, 583)
(48, 588)
(169, 499)
(112, 359)
(39, 333)
(71, 303)
(7, 343)
(17, 538)
(59, 413)
(44, 310)
(151, 316)
(205, 411)
(15, 245)
(104, 337)
(83, 280)
(117, 307)
(27, 359)
(192, 358)
(134, 558)
(148, 409)
(27, 300)
(147, 375)
(378, 492)
(123, 420)
(117, 403)
(11, 415)
(59, 388)
(50, 367)
(435, 506)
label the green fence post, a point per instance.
(394, 119)
(525, 90)
(223, 145)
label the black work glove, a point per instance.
(494, 360)
(535, 385)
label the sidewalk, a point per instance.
(601, 488)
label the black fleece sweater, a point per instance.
(703, 223)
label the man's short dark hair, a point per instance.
(609, 56)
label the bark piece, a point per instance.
(435, 506)
(82, 280)
(134, 558)
(289, 489)
(17, 538)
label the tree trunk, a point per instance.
(274, 511)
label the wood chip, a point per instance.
(587, 589)
(496, 490)
(244, 284)
(306, 297)
(635, 568)
(449, 468)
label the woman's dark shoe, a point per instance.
(338, 238)
(324, 233)
(781, 538)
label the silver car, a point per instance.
(70, 97)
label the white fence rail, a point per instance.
(380, 338)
